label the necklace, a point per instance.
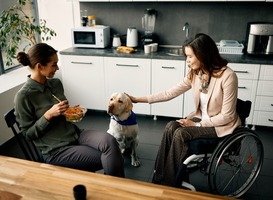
(204, 82)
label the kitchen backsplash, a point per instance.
(221, 20)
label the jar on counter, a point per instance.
(91, 20)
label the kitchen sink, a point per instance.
(175, 52)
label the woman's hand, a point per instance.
(133, 99)
(56, 110)
(185, 122)
(137, 99)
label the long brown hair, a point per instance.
(207, 53)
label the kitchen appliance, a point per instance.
(132, 37)
(148, 23)
(259, 38)
(91, 37)
(116, 41)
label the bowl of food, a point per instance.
(75, 114)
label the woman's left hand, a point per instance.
(185, 122)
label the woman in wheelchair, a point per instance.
(214, 86)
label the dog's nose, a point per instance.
(110, 108)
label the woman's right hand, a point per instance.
(56, 110)
(133, 99)
(138, 99)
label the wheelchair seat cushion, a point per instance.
(202, 145)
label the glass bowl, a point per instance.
(74, 114)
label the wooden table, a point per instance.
(22, 179)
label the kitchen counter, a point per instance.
(161, 54)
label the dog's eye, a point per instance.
(119, 139)
(120, 101)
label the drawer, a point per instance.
(263, 118)
(266, 72)
(265, 88)
(247, 89)
(264, 103)
(246, 71)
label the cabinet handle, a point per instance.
(244, 72)
(271, 120)
(242, 87)
(85, 63)
(166, 67)
(122, 65)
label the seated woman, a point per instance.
(214, 86)
(41, 120)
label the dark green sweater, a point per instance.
(31, 102)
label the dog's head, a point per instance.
(119, 105)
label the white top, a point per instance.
(203, 105)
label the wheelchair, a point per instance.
(231, 163)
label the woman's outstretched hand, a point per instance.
(133, 99)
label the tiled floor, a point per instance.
(150, 133)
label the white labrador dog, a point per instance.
(123, 125)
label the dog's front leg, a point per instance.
(134, 158)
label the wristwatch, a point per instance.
(197, 124)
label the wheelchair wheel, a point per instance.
(236, 163)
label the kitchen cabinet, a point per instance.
(165, 74)
(83, 80)
(130, 75)
(263, 111)
(248, 75)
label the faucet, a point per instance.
(186, 28)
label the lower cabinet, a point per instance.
(165, 74)
(248, 75)
(90, 81)
(83, 80)
(130, 75)
(263, 111)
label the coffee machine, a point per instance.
(259, 38)
(148, 23)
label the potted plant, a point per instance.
(19, 30)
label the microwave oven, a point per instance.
(91, 37)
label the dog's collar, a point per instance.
(130, 121)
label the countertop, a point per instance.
(161, 54)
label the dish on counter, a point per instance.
(74, 114)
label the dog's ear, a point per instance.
(129, 104)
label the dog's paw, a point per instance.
(135, 163)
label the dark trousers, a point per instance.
(173, 149)
(95, 150)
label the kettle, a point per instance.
(132, 37)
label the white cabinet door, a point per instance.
(130, 75)
(263, 114)
(83, 79)
(165, 74)
(248, 75)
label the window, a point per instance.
(4, 5)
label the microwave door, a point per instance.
(84, 38)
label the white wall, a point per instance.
(60, 16)
(6, 105)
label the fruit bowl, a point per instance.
(74, 114)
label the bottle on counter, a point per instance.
(91, 20)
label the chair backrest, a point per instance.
(243, 109)
(28, 148)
